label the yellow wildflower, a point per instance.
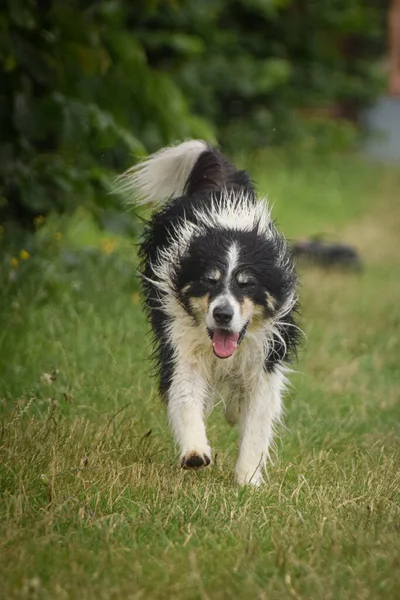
(135, 297)
(14, 262)
(58, 235)
(24, 255)
(108, 246)
(39, 220)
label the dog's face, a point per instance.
(231, 285)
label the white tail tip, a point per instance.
(161, 176)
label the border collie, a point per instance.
(220, 291)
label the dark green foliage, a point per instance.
(249, 66)
(86, 85)
(77, 101)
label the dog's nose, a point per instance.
(223, 314)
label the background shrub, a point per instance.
(88, 85)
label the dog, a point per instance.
(328, 254)
(220, 291)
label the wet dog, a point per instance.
(219, 286)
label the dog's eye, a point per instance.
(210, 279)
(244, 280)
(245, 284)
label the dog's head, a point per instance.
(232, 282)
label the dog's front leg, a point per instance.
(187, 399)
(261, 408)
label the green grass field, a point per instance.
(93, 505)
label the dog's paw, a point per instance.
(195, 460)
(253, 479)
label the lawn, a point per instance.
(92, 502)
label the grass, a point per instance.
(92, 502)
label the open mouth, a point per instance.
(225, 342)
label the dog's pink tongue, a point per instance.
(224, 343)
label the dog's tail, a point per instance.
(171, 172)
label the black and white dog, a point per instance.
(220, 291)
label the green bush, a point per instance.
(248, 65)
(87, 85)
(78, 100)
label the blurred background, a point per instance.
(88, 86)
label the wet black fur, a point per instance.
(212, 173)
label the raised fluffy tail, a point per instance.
(163, 175)
(171, 172)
